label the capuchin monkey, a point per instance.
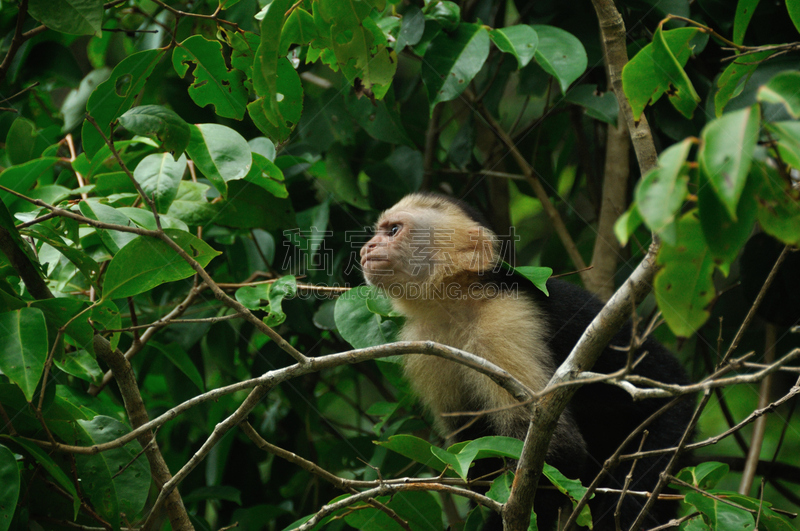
(438, 261)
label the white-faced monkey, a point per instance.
(437, 259)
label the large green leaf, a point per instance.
(214, 84)
(520, 41)
(220, 153)
(113, 240)
(793, 6)
(156, 120)
(85, 263)
(411, 28)
(782, 89)
(76, 17)
(744, 12)
(117, 481)
(191, 205)
(24, 141)
(159, 176)
(46, 462)
(9, 487)
(116, 95)
(147, 262)
(414, 448)
(599, 105)
(682, 96)
(732, 80)
(726, 153)
(725, 236)
(644, 79)
(23, 347)
(359, 44)
(684, 287)
(778, 204)
(357, 324)
(452, 60)
(660, 193)
(21, 178)
(719, 514)
(278, 122)
(560, 54)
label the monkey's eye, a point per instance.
(394, 229)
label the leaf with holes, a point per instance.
(214, 84)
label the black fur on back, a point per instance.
(604, 413)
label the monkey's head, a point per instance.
(425, 240)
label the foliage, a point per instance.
(188, 183)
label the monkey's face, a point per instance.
(398, 253)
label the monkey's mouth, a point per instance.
(374, 259)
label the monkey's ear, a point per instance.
(479, 252)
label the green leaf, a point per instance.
(116, 95)
(744, 12)
(793, 6)
(778, 204)
(59, 311)
(112, 240)
(684, 287)
(452, 60)
(76, 17)
(781, 89)
(460, 457)
(23, 344)
(146, 263)
(721, 515)
(731, 83)
(560, 54)
(788, 136)
(286, 286)
(145, 219)
(253, 297)
(214, 84)
(705, 475)
(178, 357)
(446, 13)
(220, 153)
(46, 462)
(277, 111)
(725, 236)
(23, 177)
(85, 263)
(80, 364)
(9, 487)
(159, 175)
(520, 41)
(359, 44)
(537, 275)
(683, 96)
(337, 179)
(267, 175)
(644, 79)
(244, 45)
(24, 141)
(414, 448)
(411, 28)
(381, 120)
(278, 123)
(250, 206)
(627, 224)
(191, 205)
(158, 121)
(573, 489)
(117, 481)
(600, 106)
(726, 152)
(660, 194)
(298, 29)
(357, 324)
